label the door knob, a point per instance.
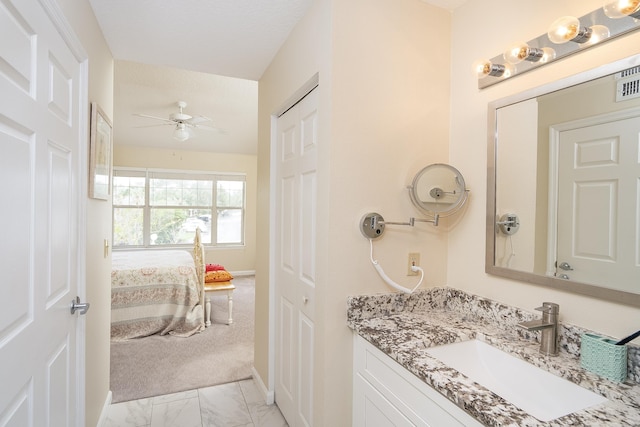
(564, 276)
(81, 307)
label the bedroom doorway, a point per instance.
(43, 116)
(295, 164)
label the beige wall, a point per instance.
(383, 115)
(98, 225)
(578, 102)
(468, 145)
(236, 259)
(304, 54)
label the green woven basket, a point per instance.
(603, 357)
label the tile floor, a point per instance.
(238, 404)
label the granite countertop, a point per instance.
(404, 326)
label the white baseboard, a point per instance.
(105, 410)
(243, 273)
(268, 395)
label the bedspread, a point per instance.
(155, 292)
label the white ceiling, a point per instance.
(447, 4)
(197, 51)
(231, 103)
(236, 38)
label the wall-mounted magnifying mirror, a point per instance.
(438, 190)
(565, 158)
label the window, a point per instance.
(154, 208)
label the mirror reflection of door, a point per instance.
(599, 203)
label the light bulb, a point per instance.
(567, 29)
(517, 53)
(548, 55)
(523, 52)
(621, 8)
(181, 133)
(598, 33)
(484, 68)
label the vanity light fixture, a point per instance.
(615, 18)
(622, 8)
(568, 28)
(485, 68)
(523, 52)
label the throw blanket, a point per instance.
(155, 292)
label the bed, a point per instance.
(157, 292)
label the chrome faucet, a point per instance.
(549, 327)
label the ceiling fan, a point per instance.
(183, 123)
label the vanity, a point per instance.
(562, 188)
(398, 382)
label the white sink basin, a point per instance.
(534, 390)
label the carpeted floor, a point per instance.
(158, 365)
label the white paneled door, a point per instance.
(42, 110)
(295, 259)
(599, 203)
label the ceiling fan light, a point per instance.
(181, 133)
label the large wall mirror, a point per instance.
(563, 194)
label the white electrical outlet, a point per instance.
(414, 260)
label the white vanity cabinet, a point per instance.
(386, 394)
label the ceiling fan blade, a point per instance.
(210, 128)
(198, 119)
(185, 124)
(155, 118)
(156, 125)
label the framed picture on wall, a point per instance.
(100, 155)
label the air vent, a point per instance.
(628, 72)
(628, 84)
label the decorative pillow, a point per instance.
(217, 276)
(214, 267)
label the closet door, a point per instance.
(295, 259)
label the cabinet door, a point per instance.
(387, 394)
(372, 409)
